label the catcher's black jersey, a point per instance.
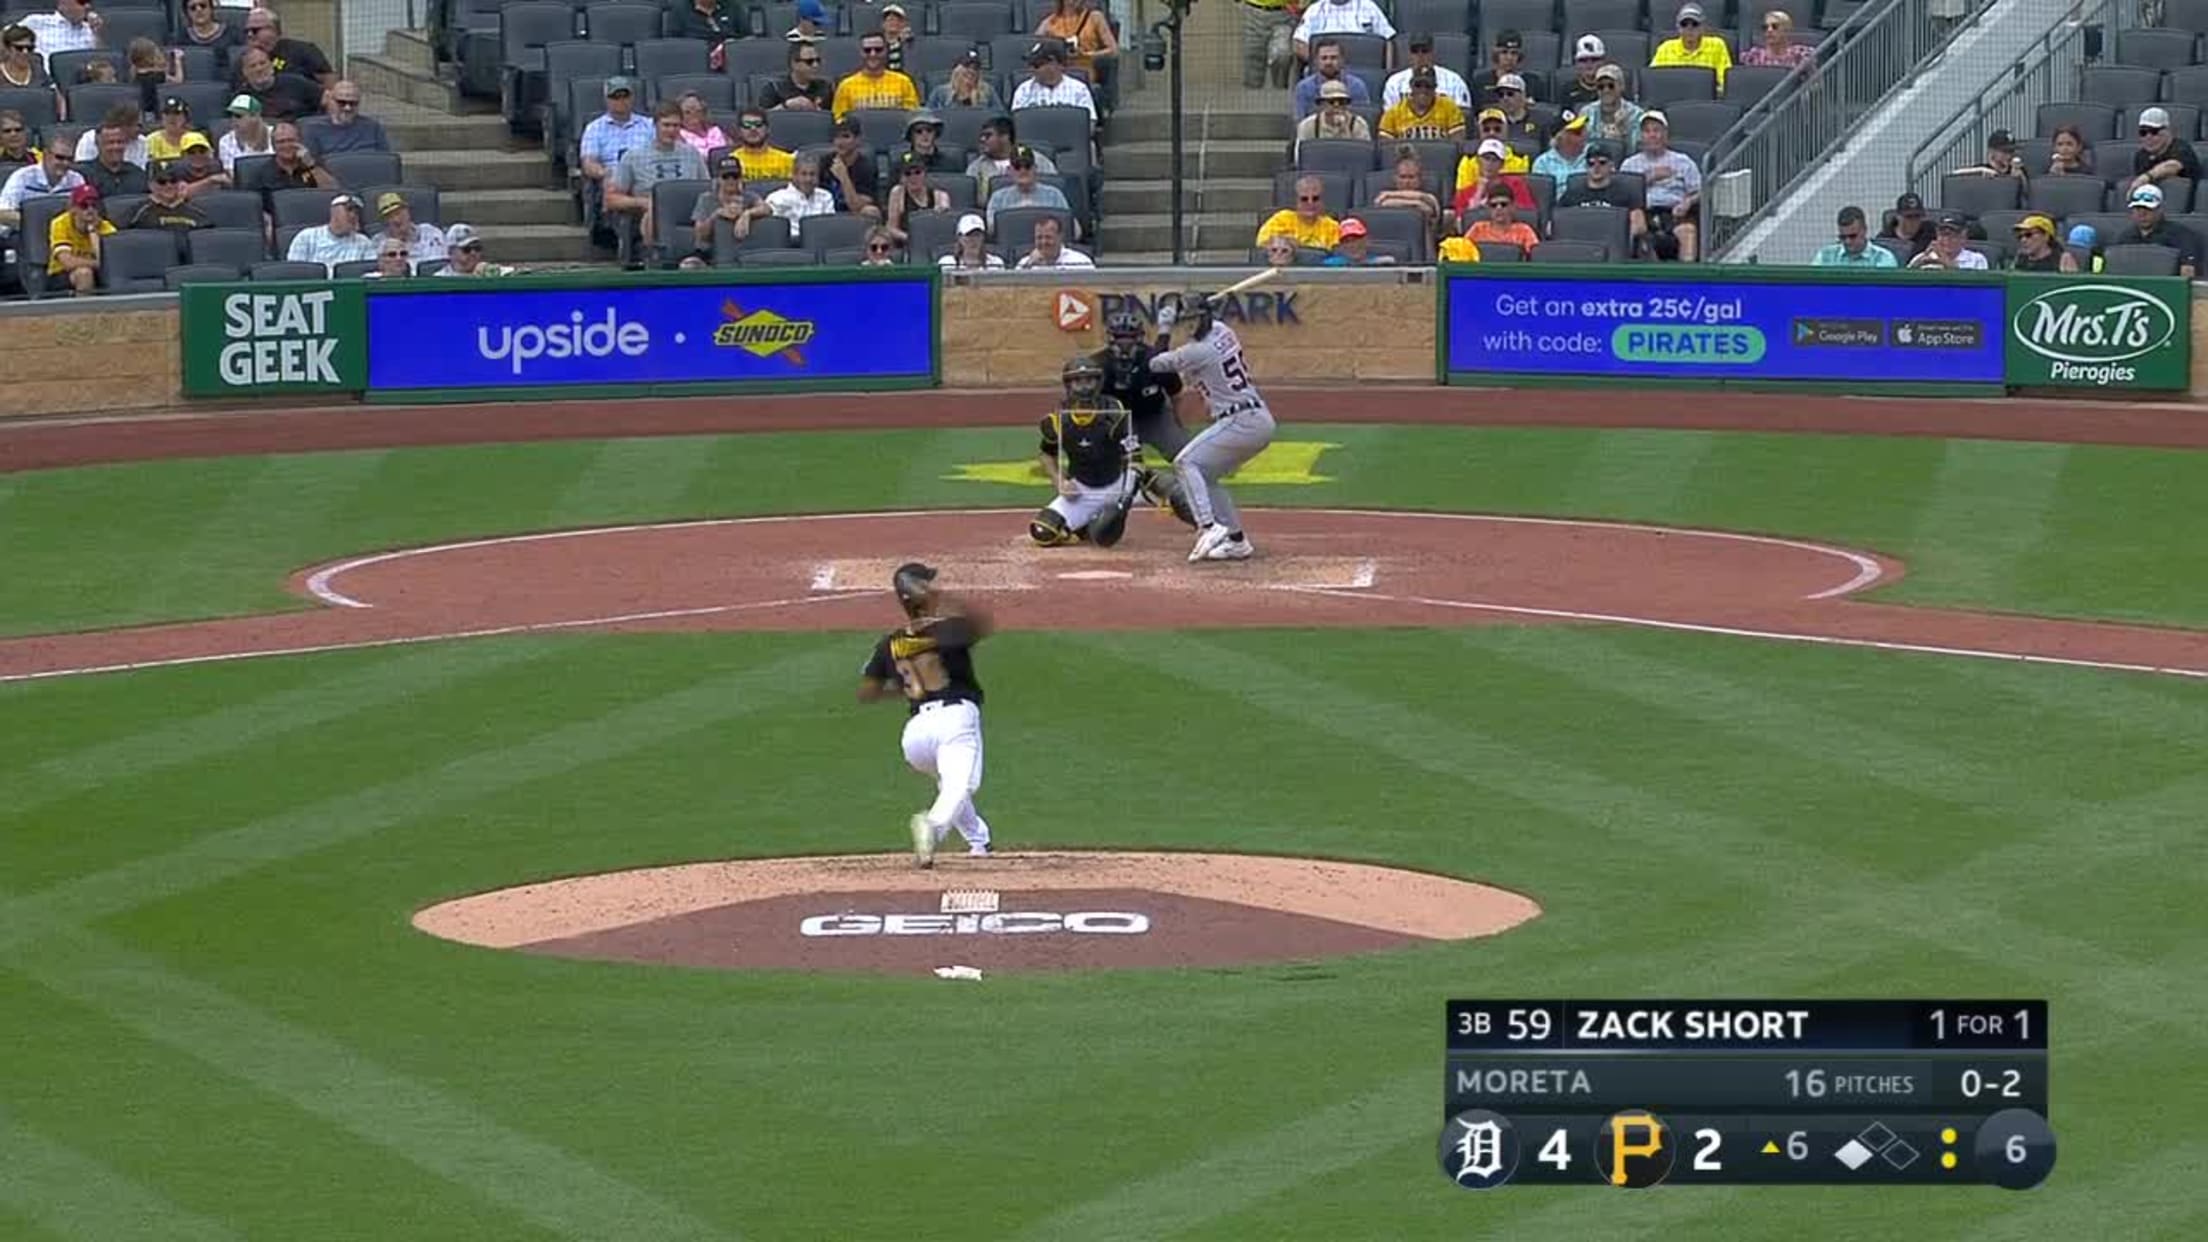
(932, 658)
(1089, 442)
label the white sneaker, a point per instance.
(1232, 550)
(1211, 537)
(923, 842)
(977, 851)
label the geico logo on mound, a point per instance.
(1008, 923)
(277, 338)
(579, 337)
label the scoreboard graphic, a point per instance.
(1640, 1093)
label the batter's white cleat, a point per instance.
(1232, 550)
(1211, 537)
(923, 842)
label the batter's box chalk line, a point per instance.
(970, 901)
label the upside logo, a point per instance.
(763, 333)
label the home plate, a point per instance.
(1096, 575)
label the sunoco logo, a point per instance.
(2085, 330)
(1009, 923)
(763, 333)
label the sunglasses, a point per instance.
(916, 171)
(751, 124)
(1606, 85)
(343, 103)
(877, 248)
(61, 157)
(1505, 90)
(1773, 26)
(874, 51)
(1343, 103)
(2147, 131)
(1310, 198)
(11, 129)
(1689, 24)
(257, 29)
(732, 176)
(1855, 236)
(21, 47)
(808, 60)
(472, 248)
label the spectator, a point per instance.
(1506, 59)
(20, 64)
(464, 254)
(847, 172)
(425, 243)
(971, 252)
(339, 241)
(875, 85)
(111, 172)
(1674, 184)
(1343, 17)
(201, 28)
(1025, 190)
(729, 200)
(763, 163)
(392, 261)
(2160, 156)
(166, 206)
(1491, 123)
(54, 173)
(881, 248)
(1488, 171)
(698, 128)
(150, 71)
(167, 142)
(73, 244)
(344, 127)
(2149, 227)
(197, 169)
(1459, 250)
(802, 198)
(1584, 91)
(666, 158)
(2036, 250)
(995, 157)
(1326, 66)
(1854, 249)
(1268, 44)
(610, 136)
(1448, 81)
(283, 96)
(294, 167)
(802, 89)
(296, 57)
(1083, 29)
(15, 142)
(1409, 190)
(1601, 188)
(923, 141)
(1355, 249)
(1691, 47)
(1050, 86)
(97, 72)
(1520, 125)
(1614, 118)
(1946, 251)
(2000, 160)
(897, 32)
(123, 116)
(1501, 226)
(1778, 47)
(1050, 249)
(911, 193)
(1567, 155)
(1280, 252)
(812, 23)
(248, 133)
(1307, 223)
(1909, 225)
(71, 27)
(1423, 114)
(966, 88)
(2071, 156)
(2083, 247)
(711, 22)
(1333, 118)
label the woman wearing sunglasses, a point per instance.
(1778, 48)
(20, 65)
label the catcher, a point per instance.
(1088, 451)
(1148, 396)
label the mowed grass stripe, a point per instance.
(1646, 470)
(535, 1180)
(1985, 514)
(625, 477)
(74, 1196)
(350, 816)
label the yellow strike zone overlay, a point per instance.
(1285, 462)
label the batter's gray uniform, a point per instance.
(1241, 424)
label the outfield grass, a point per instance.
(221, 1024)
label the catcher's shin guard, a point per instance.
(1048, 530)
(1163, 487)
(1105, 531)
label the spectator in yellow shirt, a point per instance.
(1692, 47)
(73, 244)
(1459, 250)
(1424, 113)
(1492, 124)
(1305, 224)
(875, 85)
(762, 161)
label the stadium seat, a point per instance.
(361, 168)
(1523, 16)
(225, 247)
(67, 69)
(1609, 227)
(121, 25)
(1567, 252)
(2094, 120)
(133, 260)
(771, 233)
(1588, 16)
(37, 105)
(661, 58)
(2157, 49)
(1405, 226)
(2185, 15)
(2137, 260)
(525, 29)
(2064, 196)
(623, 24)
(1501, 254)
(1368, 53)
(972, 19)
(1974, 196)
(820, 234)
(2187, 85)
(200, 274)
(1662, 87)
(793, 131)
(718, 91)
(1438, 17)
(352, 270)
(202, 64)
(2112, 158)
(1701, 120)
(880, 127)
(423, 202)
(1749, 85)
(795, 256)
(1015, 230)
(569, 59)
(2118, 85)
(2184, 119)
(89, 101)
(1341, 155)
(671, 204)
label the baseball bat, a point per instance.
(1249, 282)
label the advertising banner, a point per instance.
(2102, 332)
(719, 331)
(1723, 325)
(280, 337)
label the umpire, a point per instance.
(1148, 396)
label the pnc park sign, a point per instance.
(2099, 332)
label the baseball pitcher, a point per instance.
(1087, 450)
(1148, 396)
(930, 658)
(1241, 424)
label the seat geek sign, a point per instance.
(253, 340)
(2099, 332)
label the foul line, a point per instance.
(1867, 570)
(1826, 640)
(534, 627)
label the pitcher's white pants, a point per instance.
(1213, 455)
(944, 741)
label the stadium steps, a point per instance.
(510, 208)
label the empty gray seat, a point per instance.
(1661, 87)
(1975, 196)
(1338, 155)
(2157, 49)
(2135, 260)
(2094, 120)
(622, 24)
(2067, 195)
(134, 260)
(233, 248)
(200, 274)
(2118, 85)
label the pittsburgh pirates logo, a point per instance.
(1633, 1149)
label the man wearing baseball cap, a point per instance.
(1567, 154)
(1507, 58)
(1589, 55)
(339, 241)
(2036, 250)
(1613, 117)
(1854, 248)
(166, 206)
(1424, 115)
(2000, 159)
(425, 243)
(1447, 81)
(1693, 47)
(1909, 225)
(2161, 155)
(1674, 184)
(248, 133)
(464, 251)
(1355, 249)
(2150, 227)
(1947, 251)
(1489, 171)
(73, 244)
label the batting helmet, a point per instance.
(1198, 309)
(913, 583)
